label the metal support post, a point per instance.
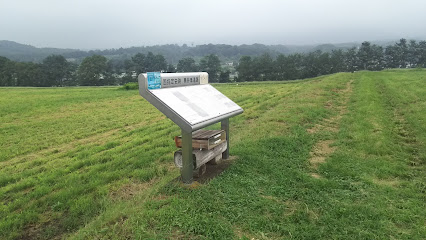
(225, 126)
(187, 161)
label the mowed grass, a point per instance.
(334, 157)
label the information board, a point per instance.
(187, 98)
(196, 104)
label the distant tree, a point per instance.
(337, 61)
(129, 67)
(280, 67)
(402, 53)
(264, 68)
(3, 61)
(245, 69)
(55, 70)
(6, 72)
(324, 64)
(117, 65)
(391, 57)
(187, 65)
(171, 68)
(377, 61)
(160, 64)
(150, 63)
(364, 55)
(28, 74)
(211, 65)
(421, 53)
(155, 63)
(413, 53)
(108, 78)
(351, 60)
(71, 78)
(371, 56)
(289, 67)
(93, 71)
(224, 76)
(312, 65)
(137, 64)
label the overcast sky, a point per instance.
(99, 24)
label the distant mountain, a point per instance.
(27, 53)
(172, 52)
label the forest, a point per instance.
(97, 70)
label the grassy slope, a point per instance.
(340, 156)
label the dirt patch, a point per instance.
(316, 175)
(377, 128)
(291, 207)
(242, 234)
(318, 128)
(119, 226)
(316, 160)
(320, 152)
(323, 148)
(31, 231)
(275, 199)
(213, 171)
(35, 230)
(386, 182)
(129, 190)
(328, 105)
(161, 197)
(312, 214)
(178, 234)
(194, 185)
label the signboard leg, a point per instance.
(225, 126)
(187, 162)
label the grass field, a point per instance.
(334, 157)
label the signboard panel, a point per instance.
(187, 99)
(196, 104)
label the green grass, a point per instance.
(96, 163)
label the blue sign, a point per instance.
(154, 80)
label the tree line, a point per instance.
(368, 56)
(97, 70)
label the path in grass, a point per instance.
(323, 148)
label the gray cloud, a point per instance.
(112, 24)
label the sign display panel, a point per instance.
(187, 99)
(197, 103)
